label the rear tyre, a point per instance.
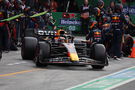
(28, 48)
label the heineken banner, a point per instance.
(129, 10)
(72, 22)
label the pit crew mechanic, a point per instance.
(117, 20)
(85, 13)
(101, 12)
(4, 35)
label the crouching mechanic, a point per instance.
(95, 34)
(117, 21)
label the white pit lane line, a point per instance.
(16, 63)
(124, 71)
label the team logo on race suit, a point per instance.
(116, 19)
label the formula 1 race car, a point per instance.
(60, 48)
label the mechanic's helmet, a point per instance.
(100, 4)
(106, 18)
(118, 7)
(93, 24)
(27, 8)
(96, 11)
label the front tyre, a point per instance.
(38, 60)
(99, 54)
(42, 54)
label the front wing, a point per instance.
(66, 61)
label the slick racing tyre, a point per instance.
(38, 59)
(99, 54)
(45, 49)
(43, 54)
(99, 51)
(28, 48)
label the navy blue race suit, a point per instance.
(117, 22)
(95, 36)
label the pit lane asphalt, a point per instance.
(18, 74)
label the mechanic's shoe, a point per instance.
(116, 58)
